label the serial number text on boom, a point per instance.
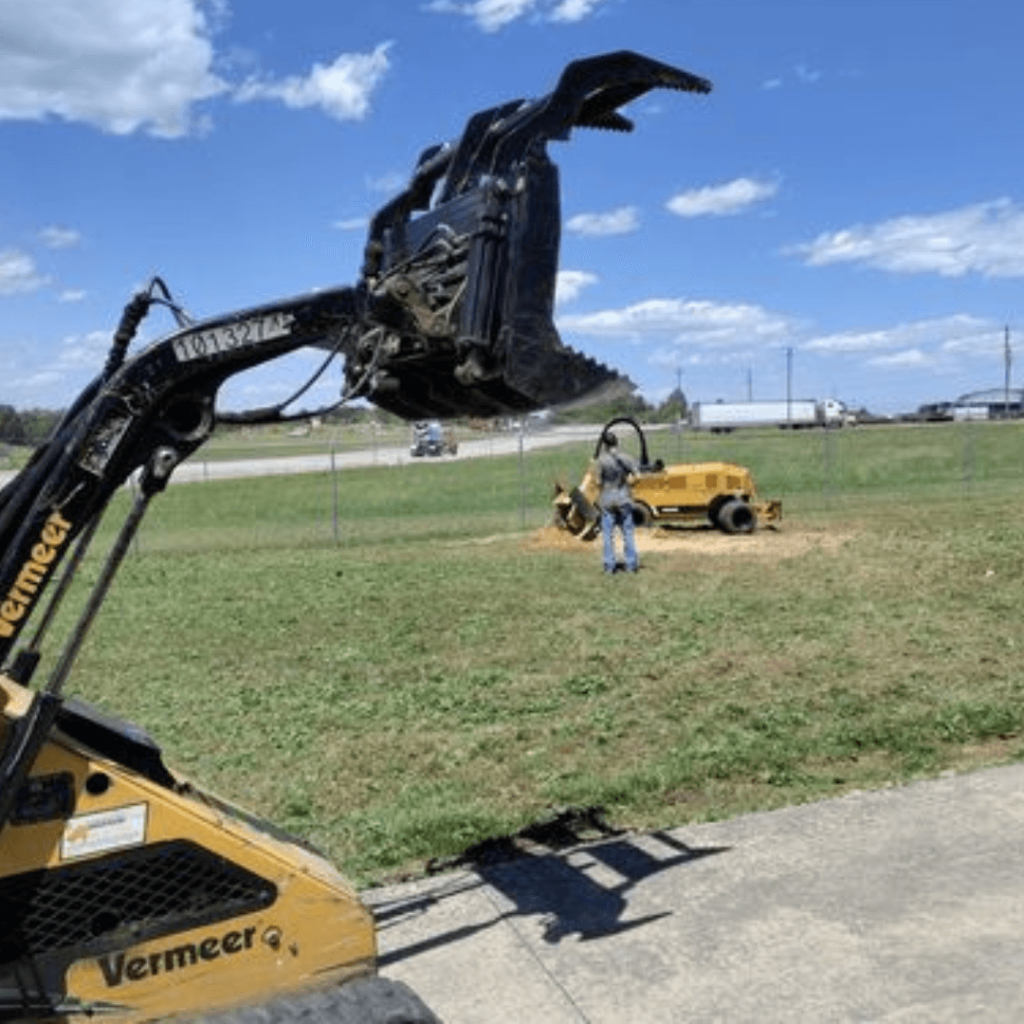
(228, 337)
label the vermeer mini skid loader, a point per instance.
(128, 894)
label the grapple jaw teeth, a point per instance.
(612, 121)
(460, 268)
(592, 90)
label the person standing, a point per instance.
(614, 468)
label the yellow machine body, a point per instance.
(139, 900)
(693, 492)
(719, 494)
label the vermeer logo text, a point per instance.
(121, 968)
(16, 605)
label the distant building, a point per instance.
(993, 404)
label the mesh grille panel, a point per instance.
(151, 890)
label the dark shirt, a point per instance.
(614, 469)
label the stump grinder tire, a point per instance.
(363, 1001)
(643, 517)
(736, 516)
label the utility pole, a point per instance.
(789, 384)
(682, 412)
(1007, 362)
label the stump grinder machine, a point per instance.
(128, 893)
(722, 495)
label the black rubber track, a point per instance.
(363, 1001)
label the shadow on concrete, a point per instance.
(552, 871)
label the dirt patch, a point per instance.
(767, 545)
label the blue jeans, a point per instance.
(623, 519)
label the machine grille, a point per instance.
(145, 893)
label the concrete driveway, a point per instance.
(900, 905)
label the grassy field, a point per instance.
(428, 666)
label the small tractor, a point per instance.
(711, 494)
(431, 439)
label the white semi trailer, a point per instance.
(722, 416)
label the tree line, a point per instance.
(30, 427)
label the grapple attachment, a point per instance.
(460, 268)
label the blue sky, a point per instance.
(852, 190)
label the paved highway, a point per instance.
(198, 468)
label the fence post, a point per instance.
(828, 461)
(522, 477)
(335, 525)
(967, 456)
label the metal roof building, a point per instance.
(1000, 402)
(993, 396)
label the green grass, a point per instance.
(421, 673)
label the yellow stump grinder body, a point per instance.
(718, 494)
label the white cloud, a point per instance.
(393, 181)
(118, 66)
(489, 15)
(494, 15)
(352, 224)
(731, 197)
(958, 330)
(570, 284)
(804, 74)
(18, 273)
(695, 322)
(148, 65)
(987, 339)
(60, 238)
(83, 352)
(72, 295)
(76, 361)
(342, 88)
(983, 238)
(909, 359)
(615, 222)
(952, 346)
(570, 11)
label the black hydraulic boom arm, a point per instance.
(152, 411)
(452, 315)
